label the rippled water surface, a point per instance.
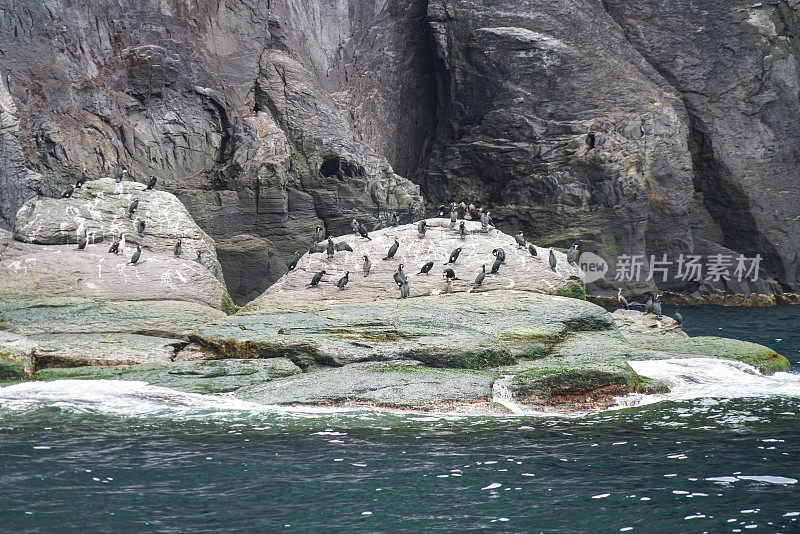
(110, 456)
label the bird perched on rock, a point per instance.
(532, 249)
(379, 225)
(453, 216)
(484, 219)
(500, 254)
(552, 259)
(367, 265)
(496, 266)
(480, 277)
(362, 231)
(343, 280)
(140, 227)
(114, 248)
(151, 183)
(317, 277)
(136, 255)
(404, 290)
(295, 259)
(81, 180)
(462, 230)
(354, 226)
(657, 306)
(318, 247)
(678, 317)
(122, 242)
(648, 306)
(520, 239)
(68, 191)
(395, 219)
(199, 258)
(330, 248)
(422, 227)
(426, 268)
(120, 171)
(133, 207)
(319, 234)
(392, 250)
(572, 254)
(399, 275)
(177, 250)
(450, 274)
(343, 245)
(83, 239)
(622, 300)
(454, 255)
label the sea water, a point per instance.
(717, 454)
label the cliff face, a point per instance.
(633, 127)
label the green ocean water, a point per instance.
(721, 455)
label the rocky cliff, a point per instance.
(633, 127)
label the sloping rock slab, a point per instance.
(74, 350)
(633, 324)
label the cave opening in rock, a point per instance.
(330, 167)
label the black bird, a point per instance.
(68, 191)
(136, 255)
(422, 227)
(177, 250)
(343, 280)
(404, 290)
(342, 245)
(450, 274)
(480, 277)
(82, 179)
(426, 268)
(378, 225)
(500, 254)
(657, 307)
(552, 260)
(572, 254)
(114, 248)
(520, 239)
(648, 306)
(319, 234)
(496, 266)
(622, 300)
(83, 239)
(462, 230)
(133, 207)
(399, 275)
(318, 247)
(678, 317)
(454, 255)
(367, 265)
(330, 248)
(395, 219)
(392, 250)
(362, 230)
(140, 227)
(532, 249)
(317, 278)
(119, 172)
(293, 263)
(354, 226)
(152, 183)
(199, 258)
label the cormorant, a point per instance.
(520, 239)
(378, 225)
(426, 268)
(404, 290)
(462, 230)
(454, 255)
(293, 263)
(199, 258)
(678, 317)
(481, 276)
(648, 306)
(500, 254)
(354, 226)
(657, 307)
(453, 216)
(392, 250)
(82, 179)
(367, 265)
(572, 254)
(122, 242)
(319, 234)
(82, 240)
(317, 278)
(422, 227)
(343, 280)
(362, 230)
(484, 219)
(114, 248)
(532, 249)
(552, 260)
(177, 250)
(119, 172)
(136, 255)
(399, 275)
(450, 274)
(330, 248)
(622, 300)
(68, 191)
(395, 219)
(133, 207)
(152, 183)
(140, 227)
(318, 247)
(343, 245)
(496, 266)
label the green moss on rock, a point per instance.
(11, 370)
(227, 304)
(573, 291)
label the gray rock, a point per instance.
(74, 350)
(634, 324)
